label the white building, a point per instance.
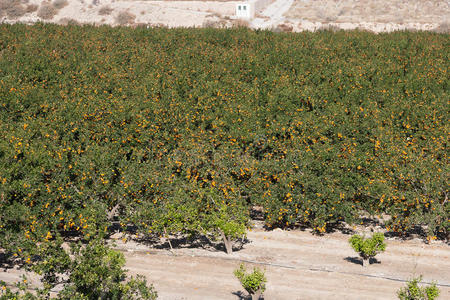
(245, 10)
(248, 9)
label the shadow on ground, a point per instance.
(243, 296)
(188, 241)
(358, 260)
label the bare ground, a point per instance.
(298, 265)
(287, 15)
(381, 11)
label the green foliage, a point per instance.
(227, 220)
(313, 127)
(253, 281)
(192, 210)
(231, 229)
(230, 218)
(91, 271)
(54, 264)
(368, 247)
(97, 273)
(413, 291)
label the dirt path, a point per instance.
(298, 265)
(286, 15)
(274, 14)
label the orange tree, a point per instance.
(98, 123)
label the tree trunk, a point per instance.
(365, 262)
(227, 242)
(168, 239)
(256, 295)
(113, 212)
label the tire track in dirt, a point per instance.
(298, 265)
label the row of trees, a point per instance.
(184, 131)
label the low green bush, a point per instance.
(254, 283)
(368, 247)
(413, 291)
(90, 271)
(96, 272)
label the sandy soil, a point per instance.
(298, 265)
(381, 11)
(166, 13)
(273, 14)
(372, 15)
(298, 15)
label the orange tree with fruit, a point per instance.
(178, 130)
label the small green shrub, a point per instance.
(413, 291)
(368, 247)
(97, 272)
(254, 283)
(93, 271)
